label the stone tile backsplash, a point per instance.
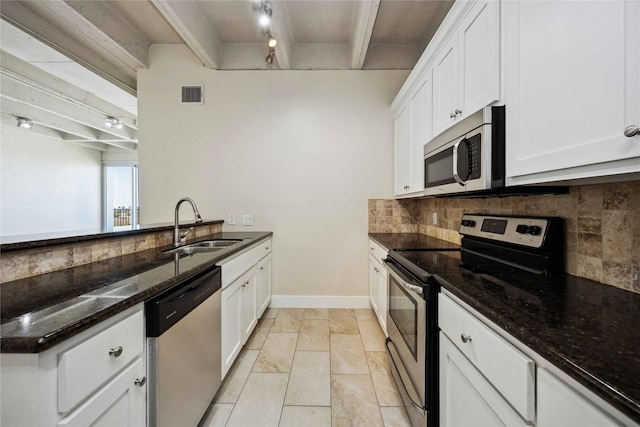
(602, 228)
(27, 263)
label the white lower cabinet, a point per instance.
(119, 403)
(246, 293)
(560, 405)
(378, 283)
(264, 284)
(486, 379)
(238, 316)
(467, 398)
(95, 378)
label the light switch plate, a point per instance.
(232, 219)
(247, 219)
(434, 218)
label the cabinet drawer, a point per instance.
(510, 371)
(85, 367)
(264, 248)
(235, 267)
(377, 251)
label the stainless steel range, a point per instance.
(499, 252)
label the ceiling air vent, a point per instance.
(192, 94)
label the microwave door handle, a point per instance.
(456, 175)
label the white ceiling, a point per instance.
(87, 52)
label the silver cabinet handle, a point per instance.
(465, 338)
(116, 352)
(631, 131)
(457, 112)
(266, 248)
(140, 382)
(261, 268)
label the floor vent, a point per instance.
(192, 94)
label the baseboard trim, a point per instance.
(319, 301)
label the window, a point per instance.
(120, 197)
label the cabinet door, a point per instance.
(383, 295)
(466, 397)
(373, 284)
(249, 306)
(561, 406)
(572, 87)
(231, 322)
(445, 86)
(120, 403)
(478, 58)
(420, 125)
(401, 151)
(264, 284)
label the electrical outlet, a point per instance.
(247, 219)
(232, 219)
(434, 218)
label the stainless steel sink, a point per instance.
(192, 250)
(215, 243)
(204, 246)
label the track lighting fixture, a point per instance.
(25, 123)
(265, 12)
(269, 58)
(112, 122)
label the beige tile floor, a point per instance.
(310, 367)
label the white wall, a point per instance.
(47, 185)
(300, 150)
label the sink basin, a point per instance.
(204, 246)
(214, 243)
(192, 250)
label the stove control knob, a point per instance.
(522, 229)
(534, 230)
(464, 222)
(471, 223)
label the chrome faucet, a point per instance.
(178, 237)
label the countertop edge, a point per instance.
(34, 345)
(99, 235)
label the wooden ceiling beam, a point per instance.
(190, 23)
(38, 24)
(366, 13)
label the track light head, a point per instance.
(269, 58)
(25, 123)
(112, 122)
(272, 42)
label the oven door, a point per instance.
(406, 345)
(458, 166)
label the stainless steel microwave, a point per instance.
(468, 157)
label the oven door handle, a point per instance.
(418, 406)
(396, 274)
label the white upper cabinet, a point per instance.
(401, 151)
(572, 87)
(466, 69)
(413, 128)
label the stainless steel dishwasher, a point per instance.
(183, 343)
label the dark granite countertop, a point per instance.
(587, 329)
(41, 311)
(411, 241)
(32, 241)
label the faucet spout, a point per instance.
(179, 238)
